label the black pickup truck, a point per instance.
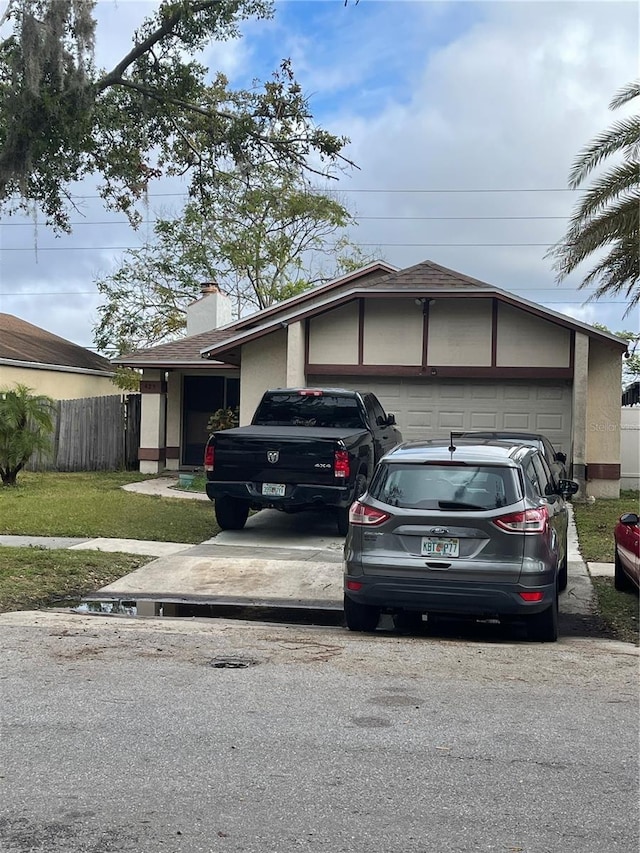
(306, 448)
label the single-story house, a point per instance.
(49, 364)
(442, 351)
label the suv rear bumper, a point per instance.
(297, 496)
(474, 599)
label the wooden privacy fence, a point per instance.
(93, 434)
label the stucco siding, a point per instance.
(392, 332)
(264, 365)
(58, 384)
(460, 332)
(333, 337)
(524, 340)
(603, 414)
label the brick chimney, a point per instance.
(210, 311)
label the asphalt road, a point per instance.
(122, 735)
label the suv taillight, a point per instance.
(209, 457)
(526, 521)
(362, 514)
(341, 466)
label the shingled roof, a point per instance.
(183, 352)
(26, 343)
(421, 280)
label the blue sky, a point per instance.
(464, 119)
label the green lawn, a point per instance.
(93, 504)
(34, 577)
(595, 523)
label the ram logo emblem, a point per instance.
(273, 456)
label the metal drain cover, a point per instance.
(233, 663)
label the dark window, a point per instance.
(434, 486)
(201, 397)
(379, 416)
(326, 410)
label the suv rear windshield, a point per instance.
(326, 410)
(433, 486)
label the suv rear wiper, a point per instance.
(458, 505)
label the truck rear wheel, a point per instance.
(231, 513)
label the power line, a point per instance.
(368, 245)
(357, 218)
(514, 292)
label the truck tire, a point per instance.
(231, 513)
(342, 518)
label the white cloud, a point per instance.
(505, 97)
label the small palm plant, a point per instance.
(26, 424)
(223, 419)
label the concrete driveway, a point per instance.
(281, 560)
(277, 560)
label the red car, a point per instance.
(627, 558)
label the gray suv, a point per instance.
(477, 528)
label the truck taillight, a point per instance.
(209, 457)
(341, 467)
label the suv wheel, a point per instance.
(231, 513)
(543, 627)
(563, 576)
(360, 617)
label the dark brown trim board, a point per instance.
(172, 452)
(439, 370)
(151, 454)
(148, 386)
(603, 471)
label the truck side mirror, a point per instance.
(561, 457)
(391, 420)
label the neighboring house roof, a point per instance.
(25, 345)
(423, 280)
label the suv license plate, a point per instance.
(275, 490)
(440, 547)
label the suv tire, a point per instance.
(543, 627)
(360, 617)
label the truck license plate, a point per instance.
(275, 490)
(440, 547)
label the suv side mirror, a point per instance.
(391, 420)
(561, 457)
(567, 487)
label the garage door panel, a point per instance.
(428, 408)
(484, 420)
(519, 420)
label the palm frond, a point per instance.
(620, 137)
(626, 94)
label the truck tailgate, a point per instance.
(279, 454)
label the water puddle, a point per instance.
(192, 610)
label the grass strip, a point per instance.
(93, 504)
(619, 610)
(31, 578)
(595, 523)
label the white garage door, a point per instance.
(428, 408)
